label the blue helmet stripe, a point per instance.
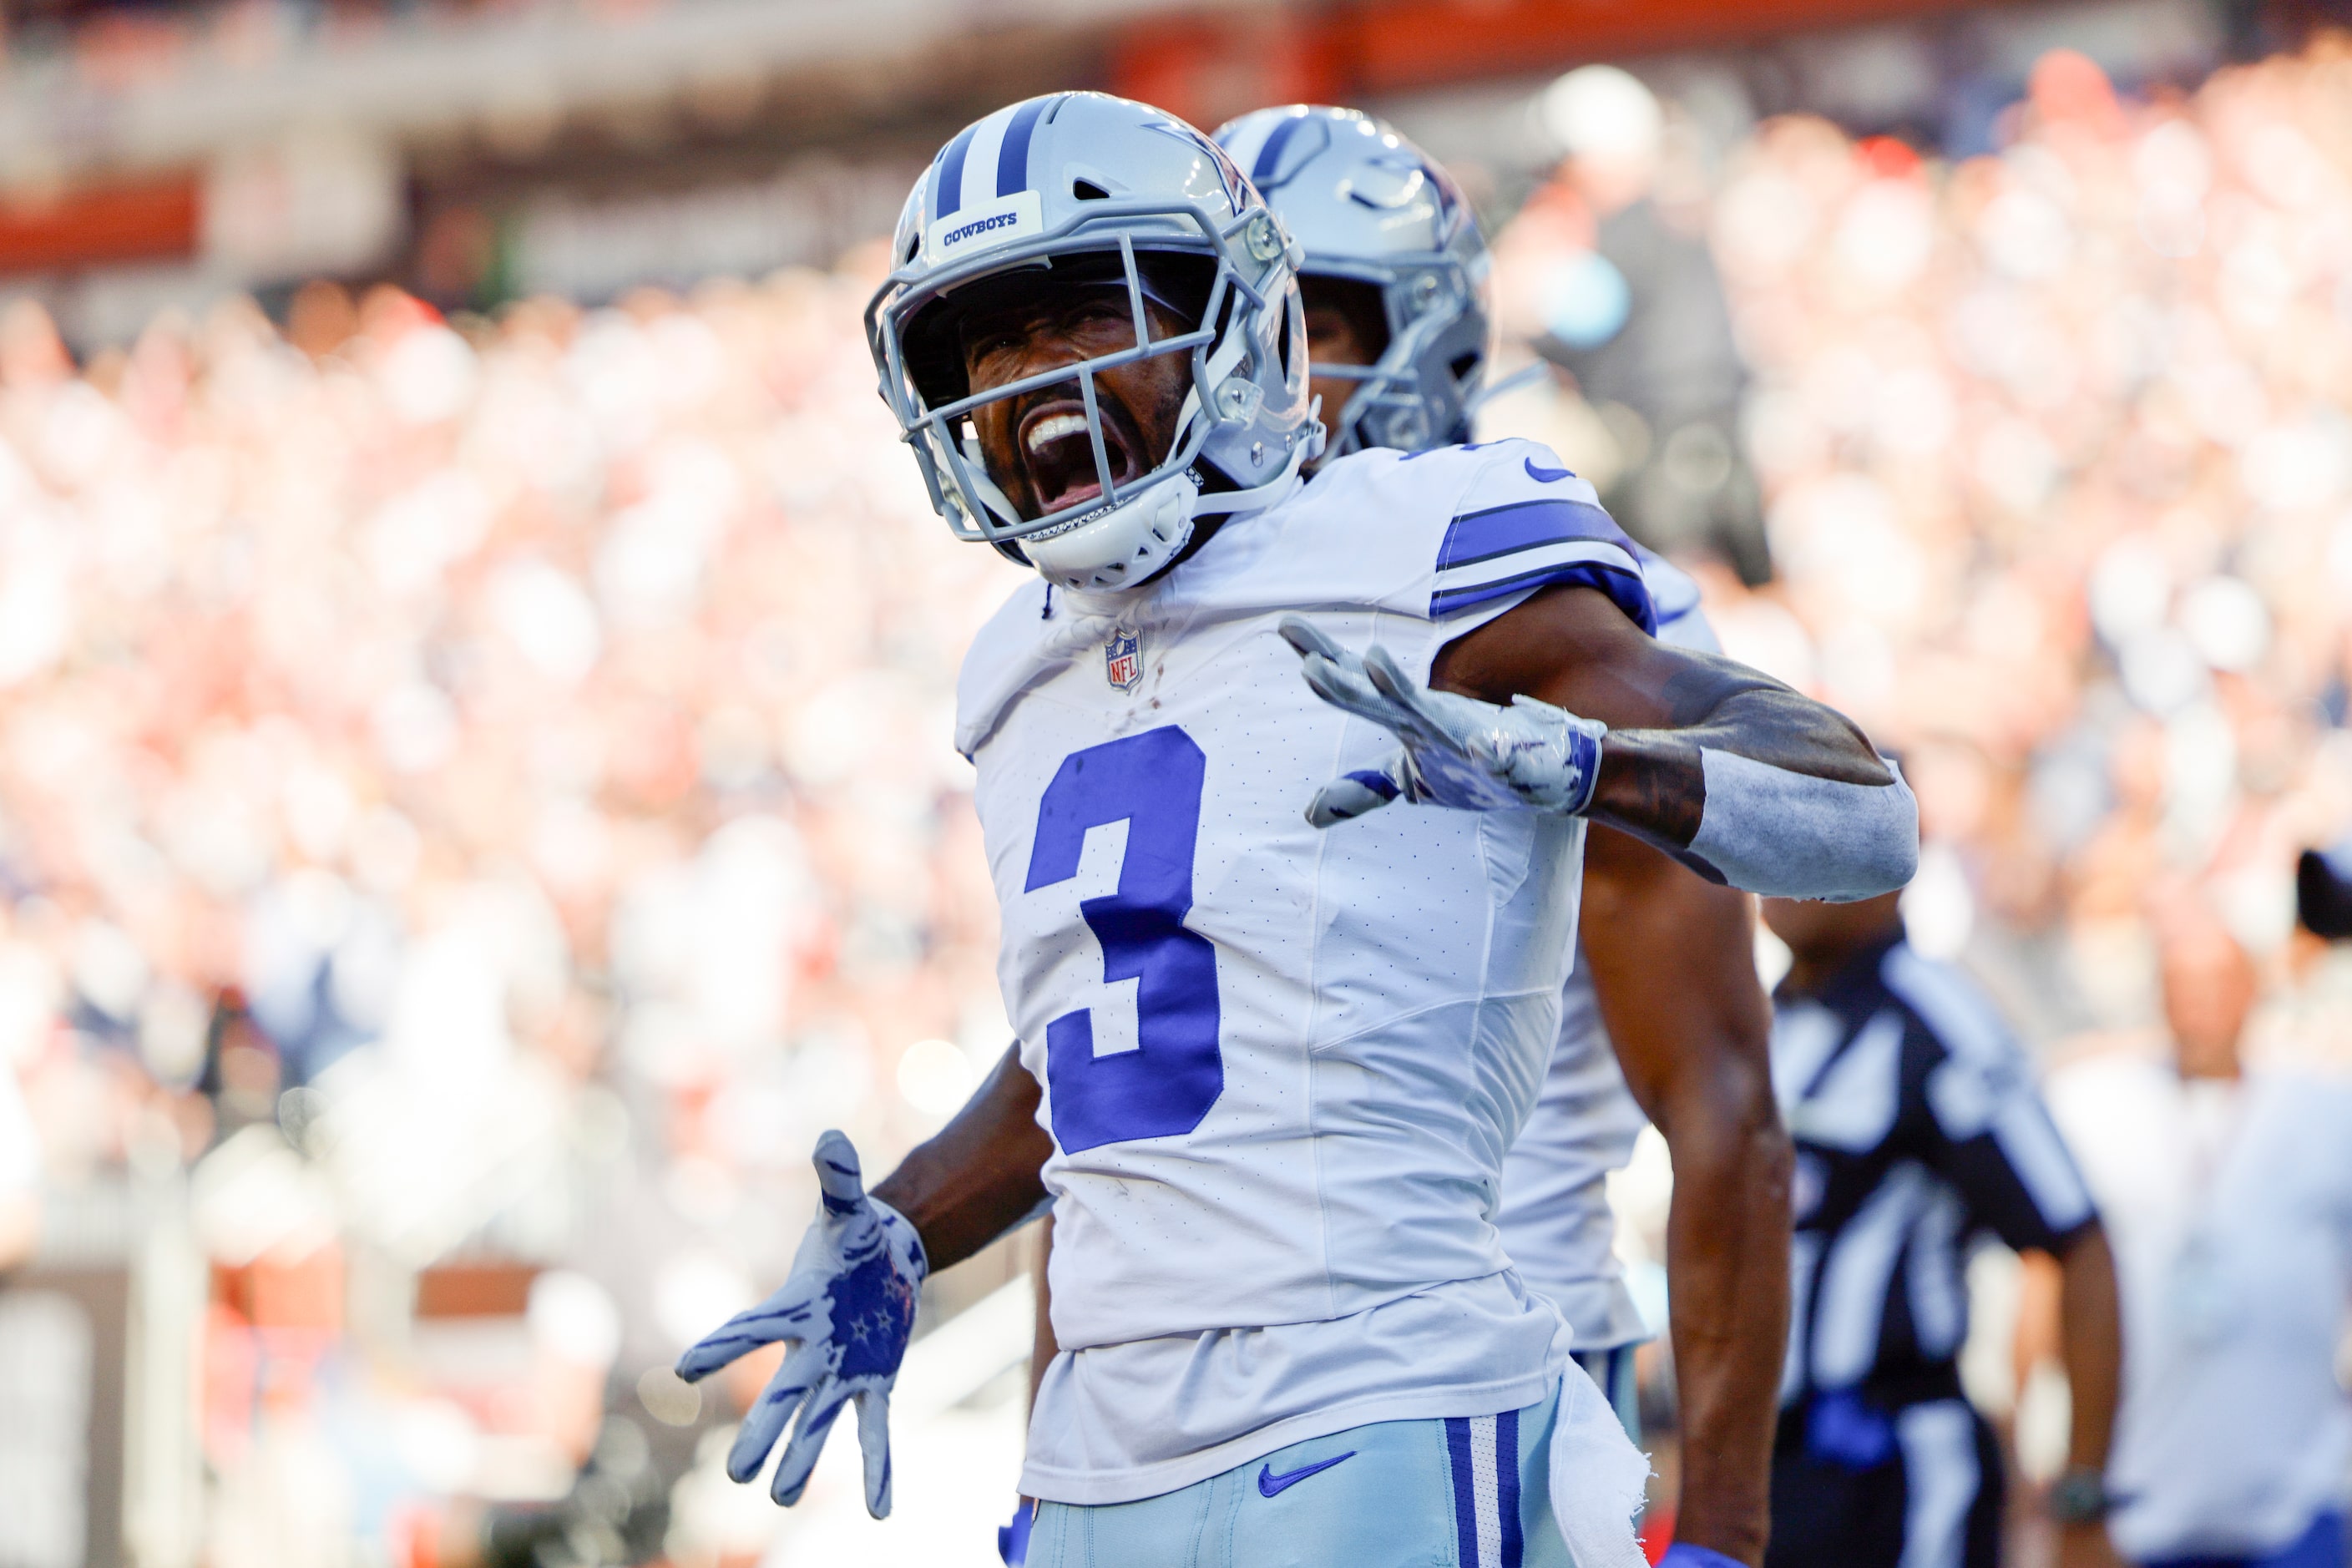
(1012, 155)
(1270, 157)
(950, 182)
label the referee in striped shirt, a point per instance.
(1918, 1128)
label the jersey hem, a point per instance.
(1094, 1488)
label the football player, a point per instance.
(1281, 1054)
(1667, 960)
(1391, 286)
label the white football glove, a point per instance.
(1458, 752)
(849, 1303)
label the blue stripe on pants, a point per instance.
(1465, 1494)
(1506, 1486)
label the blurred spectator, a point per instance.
(1917, 1130)
(2228, 1191)
(1635, 313)
(2323, 892)
(20, 1174)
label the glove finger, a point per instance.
(1423, 718)
(764, 1422)
(1305, 637)
(838, 1175)
(873, 1443)
(1351, 796)
(786, 1315)
(807, 1441)
(1343, 687)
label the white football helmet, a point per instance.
(1366, 205)
(1089, 191)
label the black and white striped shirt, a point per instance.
(1918, 1128)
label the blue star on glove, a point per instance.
(849, 1305)
(1457, 751)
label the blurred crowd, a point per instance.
(2057, 481)
(479, 792)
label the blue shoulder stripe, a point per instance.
(1623, 587)
(1523, 525)
(1012, 156)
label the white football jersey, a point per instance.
(1281, 1066)
(1556, 1222)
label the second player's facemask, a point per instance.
(1129, 237)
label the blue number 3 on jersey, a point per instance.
(1152, 782)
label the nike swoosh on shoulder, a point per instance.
(1268, 1483)
(1547, 476)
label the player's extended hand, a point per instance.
(849, 1304)
(1457, 751)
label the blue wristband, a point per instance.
(1681, 1555)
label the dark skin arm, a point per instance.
(1672, 964)
(977, 1177)
(1572, 647)
(2090, 1345)
(2068, 1308)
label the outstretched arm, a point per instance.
(1673, 966)
(1564, 705)
(977, 1177)
(1720, 765)
(847, 1306)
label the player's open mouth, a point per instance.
(1059, 454)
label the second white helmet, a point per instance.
(1365, 205)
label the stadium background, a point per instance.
(475, 790)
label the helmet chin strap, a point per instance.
(990, 495)
(1258, 497)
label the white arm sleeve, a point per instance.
(1791, 835)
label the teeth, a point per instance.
(1055, 428)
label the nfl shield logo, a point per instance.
(1123, 655)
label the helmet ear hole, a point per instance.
(1087, 191)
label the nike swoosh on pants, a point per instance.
(1268, 1483)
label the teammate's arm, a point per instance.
(1673, 964)
(1563, 704)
